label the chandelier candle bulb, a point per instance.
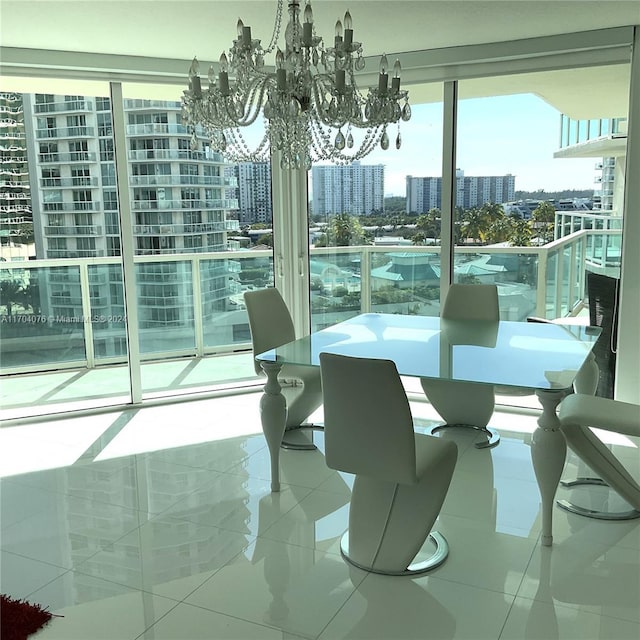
(338, 38)
(340, 80)
(348, 29)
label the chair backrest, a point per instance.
(269, 321)
(368, 425)
(604, 293)
(471, 302)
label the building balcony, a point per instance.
(162, 205)
(151, 105)
(81, 230)
(61, 183)
(72, 206)
(66, 132)
(160, 128)
(173, 180)
(75, 156)
(57, 107)
(172, 154)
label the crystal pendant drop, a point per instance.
(384, 141)
(360, 63)
(350, 141)
(194, 142)
(406, 112)
(223, 142)
(315, 58)
(398, 141)
(340, 142)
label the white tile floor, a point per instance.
(159, 523)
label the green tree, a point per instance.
(521, 234)
(543, 218)
(418, 238)
(501, 229)
(475, 224)
(429, 223)
(345, 230)
(266, 239)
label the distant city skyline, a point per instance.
(515, 134)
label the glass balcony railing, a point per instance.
(57, 314)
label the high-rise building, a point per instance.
(15, 196)
(178, 204)
(356, 189)
(253, 192)
(424, 194)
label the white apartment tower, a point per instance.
(15, 195)
(425, 193)
(177, 199)
(254, 192)
(356, 189)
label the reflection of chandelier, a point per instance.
(311, 102)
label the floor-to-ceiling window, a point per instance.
(533, 149)
(181, 280)
(375, 224)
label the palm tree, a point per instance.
(543, 218)
(521, 234)
(345, 230)
(475, 225)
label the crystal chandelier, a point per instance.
(311, 103)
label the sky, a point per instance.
(515, 134)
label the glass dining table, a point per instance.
(542, 357)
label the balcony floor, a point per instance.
(158, 522)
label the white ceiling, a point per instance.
(184, 28)
(181, 29)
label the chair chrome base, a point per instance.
(415, 568)
(592, 513)
(493, 437)
(301, 446)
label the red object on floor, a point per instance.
(19, 619)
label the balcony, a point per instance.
(57, 107)
(81, 230)
(161, 128)
(66, 132)
(57, 320)
(146, 205)
(60, 183)
(75, 156)
(171, 180)
(79, 205)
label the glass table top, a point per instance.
(519, 354)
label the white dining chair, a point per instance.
(577, 414)
(271, 326)
(466, 404)
(401, 478)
